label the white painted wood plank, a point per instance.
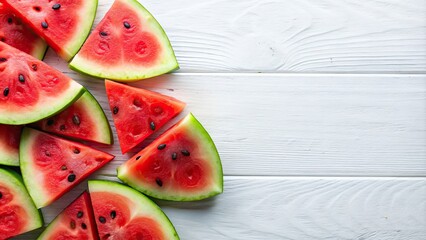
(300, 208)
(293, 35)
(327, 125)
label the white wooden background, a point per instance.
(318, 109)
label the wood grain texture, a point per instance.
(294, 35)
(328, 125)
(299, 208)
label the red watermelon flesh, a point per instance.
(180, 165)
(51, 166)
(124, 213)
(31, 90)
(9, 144)
(138, 113)
(75, 222)
(18, 35)
(127, 45)
(64, 24)
(84, 119)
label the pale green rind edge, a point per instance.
(91, 68)
(217, 164)
(40, 49)
(43, 111)
(9, 159)
(136, 197)
(35, 217)
(71, 49)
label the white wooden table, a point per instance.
(318, 109)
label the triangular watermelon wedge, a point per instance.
(84, 120)
(138, 113)
(18, 35)
(51, 166)
(64, 25)
(31, 90)
(76, 221)
(127, 45)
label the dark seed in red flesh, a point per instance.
(44, 25)
(3, 59)
(102, 33)
(56, 6)
(63, 168)
(50, 122)
(185, 153)
(152, 126)
(47, 153)
(80, 214)
(138, 157)
(21, 78)
(71, 177)
(174, 156)
(159, 182)
(161, 146)
(76, 120)
(62, 127)
(34, 67)
(126, 24)
(102, 219)
(6, 92)
(115, 110)
(10, 20)
(72, 224)
(1, 195)
(84, 226)
(113, 214)
(76, 151)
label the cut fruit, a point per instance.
(31, 90)
(75, 222)
(180, 165)
(17, 211)
(64, 25)
(84, 120)
(9, 144)
(18, 35)
(127, 45)
(138, 113)
(124, 213)
(51, 166)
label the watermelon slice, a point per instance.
(51, 166)
(127, 45)
(17, 211)
(180, 165)
(75, 222)
(64, 24)
(16, 34)
(9, 144)
(31, 90)
(124, 213)
(84, 120)
(138, 113)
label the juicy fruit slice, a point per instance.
(9, 144)
(17, 211)
(180, 165)
(124, 213)
(138, 113)
(84, 119)
(51, 166)
(127, 45)
(18, 35)
(75, 222)
(31, 90)
(65, 25)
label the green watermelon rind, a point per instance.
(14, 181)
(88, 67)
(43, 110)
(9, 158)
(143, 203)
(207, 141)
(40, 49)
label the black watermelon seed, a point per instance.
(161, 146)
(138, 157)
(102, 219)
(174, 156)
(152, 126)
(102, 33)
(56, 6)
(62, 127)
(72, 224)
(21, 78)
(47, 153)
(71, 177)
(76, 151)
(115, 110)
(63, 168)
(80, 214)
(113, 214)
(84, 226)
(185, 153)
(1, 195)
(3, 59)
(10, 20)
(2, 39)
(159, 182)
(44, 25)
(126, 24)
(76, 120)
(34, 67)
(50, 122)
(6, 92)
